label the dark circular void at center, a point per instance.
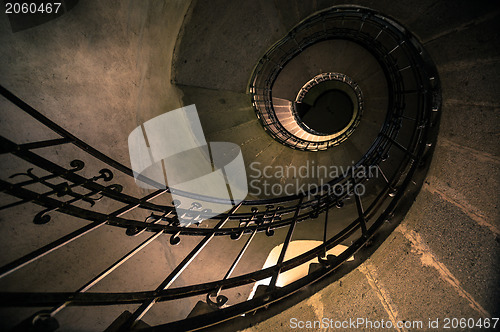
(331, 112)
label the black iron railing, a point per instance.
(398, 150)
(357, 99)
(395, 49)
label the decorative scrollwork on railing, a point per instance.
(151, 219)
(245, 223)
(271, 216)
(64, 188)
(76, 164)
(220, 300)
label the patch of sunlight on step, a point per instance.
(295, 248)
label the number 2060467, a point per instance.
(32, 8)
(454, 323)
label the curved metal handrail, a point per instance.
(252, 216)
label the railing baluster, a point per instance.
(288, 239)
(395, 48)
(220, 300)
(145, 306)
(399, 146)
(407, 67)
(361, 213)
(107, 271)
(383, 174)
(33, 256)
(325, 228)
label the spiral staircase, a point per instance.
(84, 248)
